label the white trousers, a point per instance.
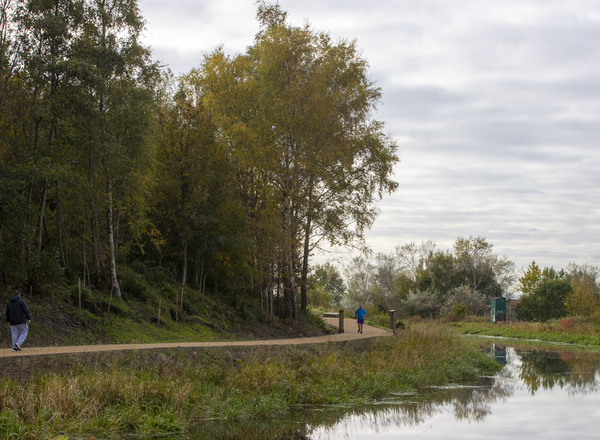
(19, 333)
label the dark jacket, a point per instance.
(17, 311)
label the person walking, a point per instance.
(18, 319)
(360, 317)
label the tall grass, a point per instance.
(572, 330)
(169, 392)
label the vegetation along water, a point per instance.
(170, 391)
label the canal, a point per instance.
(541, 393)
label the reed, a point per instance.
(169, 393)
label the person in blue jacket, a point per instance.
(360, 317)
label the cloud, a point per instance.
(494, 106)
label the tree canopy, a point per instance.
(419, 279)
(226, 178)
(295, 116)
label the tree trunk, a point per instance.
(184, 269)
(114, 282)
(96, 238)
(289, 289)
(270, 291)
(41, 221)
(289, 281)
(199, 274)
(294, 287)
(86, 269)
(61, 248)
(279, 300)
(116, 230)
(304, 275)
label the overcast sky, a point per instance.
(495, 107)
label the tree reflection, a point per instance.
(547, 370)
(578, 373)
(536, 370)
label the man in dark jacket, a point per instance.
(18, 318)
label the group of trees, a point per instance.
(76, 105)
(226, 178)
(550, 294)
(420, 279)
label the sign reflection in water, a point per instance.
(538, 394)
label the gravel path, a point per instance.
(349, 325)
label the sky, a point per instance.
(495, 107)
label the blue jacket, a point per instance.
(360, 313)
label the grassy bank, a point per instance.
(61, 316)
(566, 330)
(170, 391)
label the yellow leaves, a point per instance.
(223, 259)
(583, 299)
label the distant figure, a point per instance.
(18, 318)
(360, 317)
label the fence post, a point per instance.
(393, 321)
(341, 324)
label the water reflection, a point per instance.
(499, 353)
(551, 393)
(544, 370)
(554, 394)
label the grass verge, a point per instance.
(170, 391)
(566, 330)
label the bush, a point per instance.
(246, 308)
(460, 310)
(379, 320)
(133, 284)
(465, 301)
(424, 304)
(547, 301)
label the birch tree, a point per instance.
(39, 142)
(116, 79)
(296, 109)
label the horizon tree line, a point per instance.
(422, 280)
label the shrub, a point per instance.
(424, 304)
(547, 301)
(133, 284)
(565, 324)
(466, 298)
(460, 310)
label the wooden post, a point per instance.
(79, 283)
(110, 300)
(393, 321)
(341, 325)
(159, 303)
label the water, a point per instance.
(539, 394)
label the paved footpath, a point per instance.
(349, 325)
